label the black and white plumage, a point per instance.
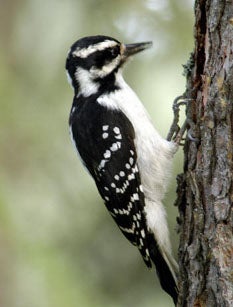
(116, 141)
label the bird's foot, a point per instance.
(176, 133)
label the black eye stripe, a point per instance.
(107, 54)
(97, 59)
(112, 52)
(100, 58)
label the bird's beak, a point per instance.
(131, 49)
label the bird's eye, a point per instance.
(114, 52)
(111, 53)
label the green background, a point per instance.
(59, 246)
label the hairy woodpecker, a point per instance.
(116, 141)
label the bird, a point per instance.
(119, 146)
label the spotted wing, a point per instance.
(108, 152)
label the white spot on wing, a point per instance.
(105, 127)
(102, 164)
(105, 135)
(126, 212)
(118, 137)
(127, 166)
(116, 130)
(114, 147)
(128, 230)
(130, 206)
(143, 233)
(131, 176)
(107, 154)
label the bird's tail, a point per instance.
(166, 268)
(160, 247)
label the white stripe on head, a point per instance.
(87, 86)
(85, 52)
(106, 69)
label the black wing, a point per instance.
(105, 141)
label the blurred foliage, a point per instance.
(59, 246)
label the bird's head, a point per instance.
(93, 62)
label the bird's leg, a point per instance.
(176, 132)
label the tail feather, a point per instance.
(166, 268)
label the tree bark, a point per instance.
(205, 189)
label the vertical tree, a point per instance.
(205, 189)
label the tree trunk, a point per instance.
(205, 189)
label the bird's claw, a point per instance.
(176, 132)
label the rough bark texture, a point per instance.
(205, 190)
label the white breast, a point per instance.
(154, 153)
